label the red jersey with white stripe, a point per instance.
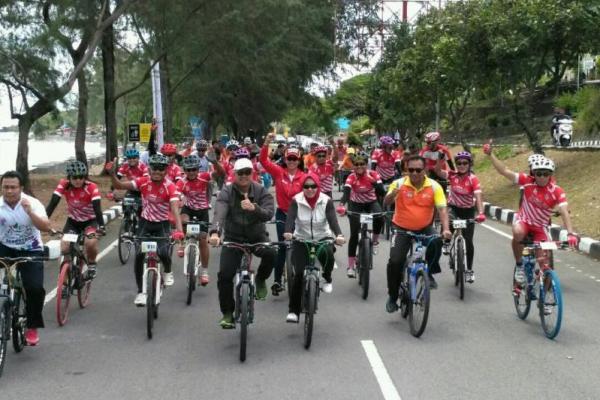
(361, 187)
(195, 192)
(538, 201)
(431, 156)
(156, 198)
(79, 200)
(325, 174)
(463, 189)
(133, 172)
(385, 163)
(174, 172)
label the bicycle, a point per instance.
(414, 291)
(545, 282)
(191, 258)
(245, 290)
(458, 254)
(387, 221)
(364, 259)
(13, 316)
(128, 227)
(72, 275)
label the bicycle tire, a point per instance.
(63, 300)
(5, 314)
(366, 263)
(289, 271)
(84, 288)
(460, 268)
(191, 271)
(150, 301)
(310, 309)
(418, 309)
(244, 318)
(452, 261)
(123, 247)
(19, 321)
(522, 301)
(552, 297)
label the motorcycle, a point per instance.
(562, 130)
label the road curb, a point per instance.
(587, 245)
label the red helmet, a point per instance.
(319, 149)
(168, 149)
(432, 137)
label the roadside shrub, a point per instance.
(492, 121)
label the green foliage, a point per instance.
(501, 153)
(360, 124)
(354, 139)
(575, 102)
(492, 121)
(588, 121)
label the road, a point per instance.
(471, 349)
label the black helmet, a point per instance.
(191, 162)
(158, 160)
(76, 168)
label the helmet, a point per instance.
(191, 162)
(231, 144)
(132, 153)
(242, 152)
(168, 149)
(319, 149)
(247, 141)
(432, 137)
(361, 155)
(202, 145)
(464, 155)
(158, 160)
(385, 141)
(543, 163)
(76, 168)
(533, 158)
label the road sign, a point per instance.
(145, 132)
(134, 133)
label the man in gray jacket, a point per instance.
(241, 211)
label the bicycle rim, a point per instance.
(150, 301)
(521, 299)
(83, 290)
(289, 271)
(124, 247)
(460, 269)
(366, 258)
(191, 271)
(4, 330)
(19, 320)
(244, 310)
(552, 300)
(418, 309)
(311, 307)
(63, 293)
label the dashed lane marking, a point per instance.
(383, 378)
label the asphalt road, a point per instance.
(471, 349)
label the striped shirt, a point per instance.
(325, 174)
(538, 201)
(463, 189)
(195, 192)
(386, 163)
(79, 200)
(156, 198)
(362, 188)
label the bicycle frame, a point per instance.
(192, 240)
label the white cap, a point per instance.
(242, 163)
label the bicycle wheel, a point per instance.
(309, 310)
(150, 300)
(124, 246)
(19, 321)
(418, 308)
(460, 268)
(289, 270)
(521, 299)
(244, 320)
(551, 305)
(366, 260)
(191, 271)
(4, 330)
(63, 292)
(83, 288)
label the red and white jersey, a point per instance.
(132, 172)
(79, 200)
(174, 172)
(463, 189)
(361, 187)
(195, 192)
(156, 198)
(431, 156)
(538, 201)
(385, 163)
(228, 167)
(325, 174)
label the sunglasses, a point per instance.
(292, 159)
(321, 155)
(191, 169)
(545, 174)
(160, 168)
(415, 170)
(360, 164)
(462, 163)
(78, 177)
(314, 186)
(244, 172)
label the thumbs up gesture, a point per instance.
(247, 204)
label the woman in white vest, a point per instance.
(311, 216)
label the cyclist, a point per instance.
(431, 153)
(174, 173)
(324, 169)
(83, 206)
(132, 169)
(385, 161)
(159, 196)
(242, 152)
(22, 217)
(464, 199)
(540, 196)
(360, 192)
(415, 199)
(194, 189)
(241, 211)
(288, 183)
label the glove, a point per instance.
(480, 218)
(110, 196)
(341, 210)
(177, 235)
(573, 240)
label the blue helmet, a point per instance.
(132, 153)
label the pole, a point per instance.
(157, 104)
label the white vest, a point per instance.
(311, 224)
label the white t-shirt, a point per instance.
(16, 229)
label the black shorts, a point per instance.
(77, 227)
(200, 215)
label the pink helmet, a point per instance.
(432, 137)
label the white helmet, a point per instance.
(543, 163)
(533, 158)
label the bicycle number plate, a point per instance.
(366, 218)
(70, 237)
(149, 247)
(128, 201)
(548, 246)
(193, 229)
(459, 224)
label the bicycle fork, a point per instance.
(244, 277)
(151, 263)
(186, 258)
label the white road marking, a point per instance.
(104, 252)
(499, 232)
(383, 378)
(578, 270)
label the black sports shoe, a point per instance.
(276, 288)
(432, 283)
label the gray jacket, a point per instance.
(312, 224)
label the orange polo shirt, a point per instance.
(415, 207)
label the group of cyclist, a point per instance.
(412, 183)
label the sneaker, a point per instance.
(204, 279)
(335, 265)
(375, 248)
(520, 274)
(292, 318)
(91, 271)
(275, 289)
(31, 337)
(351, 273)
(470, 276)
(446, 248)
(327, 287)
(547, 309)
(169, 279)
(391, 305)
(140, 300)
(261, 290)
(180, 252)
(227, 321)
(432, 283)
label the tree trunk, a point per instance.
(532, 136)
(110, 103)
(167, 100)
(81, 117)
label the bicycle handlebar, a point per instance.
(375, 214)
(418, 236)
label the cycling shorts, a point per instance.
(538, 233)
(201, 215)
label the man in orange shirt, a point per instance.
(415, 197)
